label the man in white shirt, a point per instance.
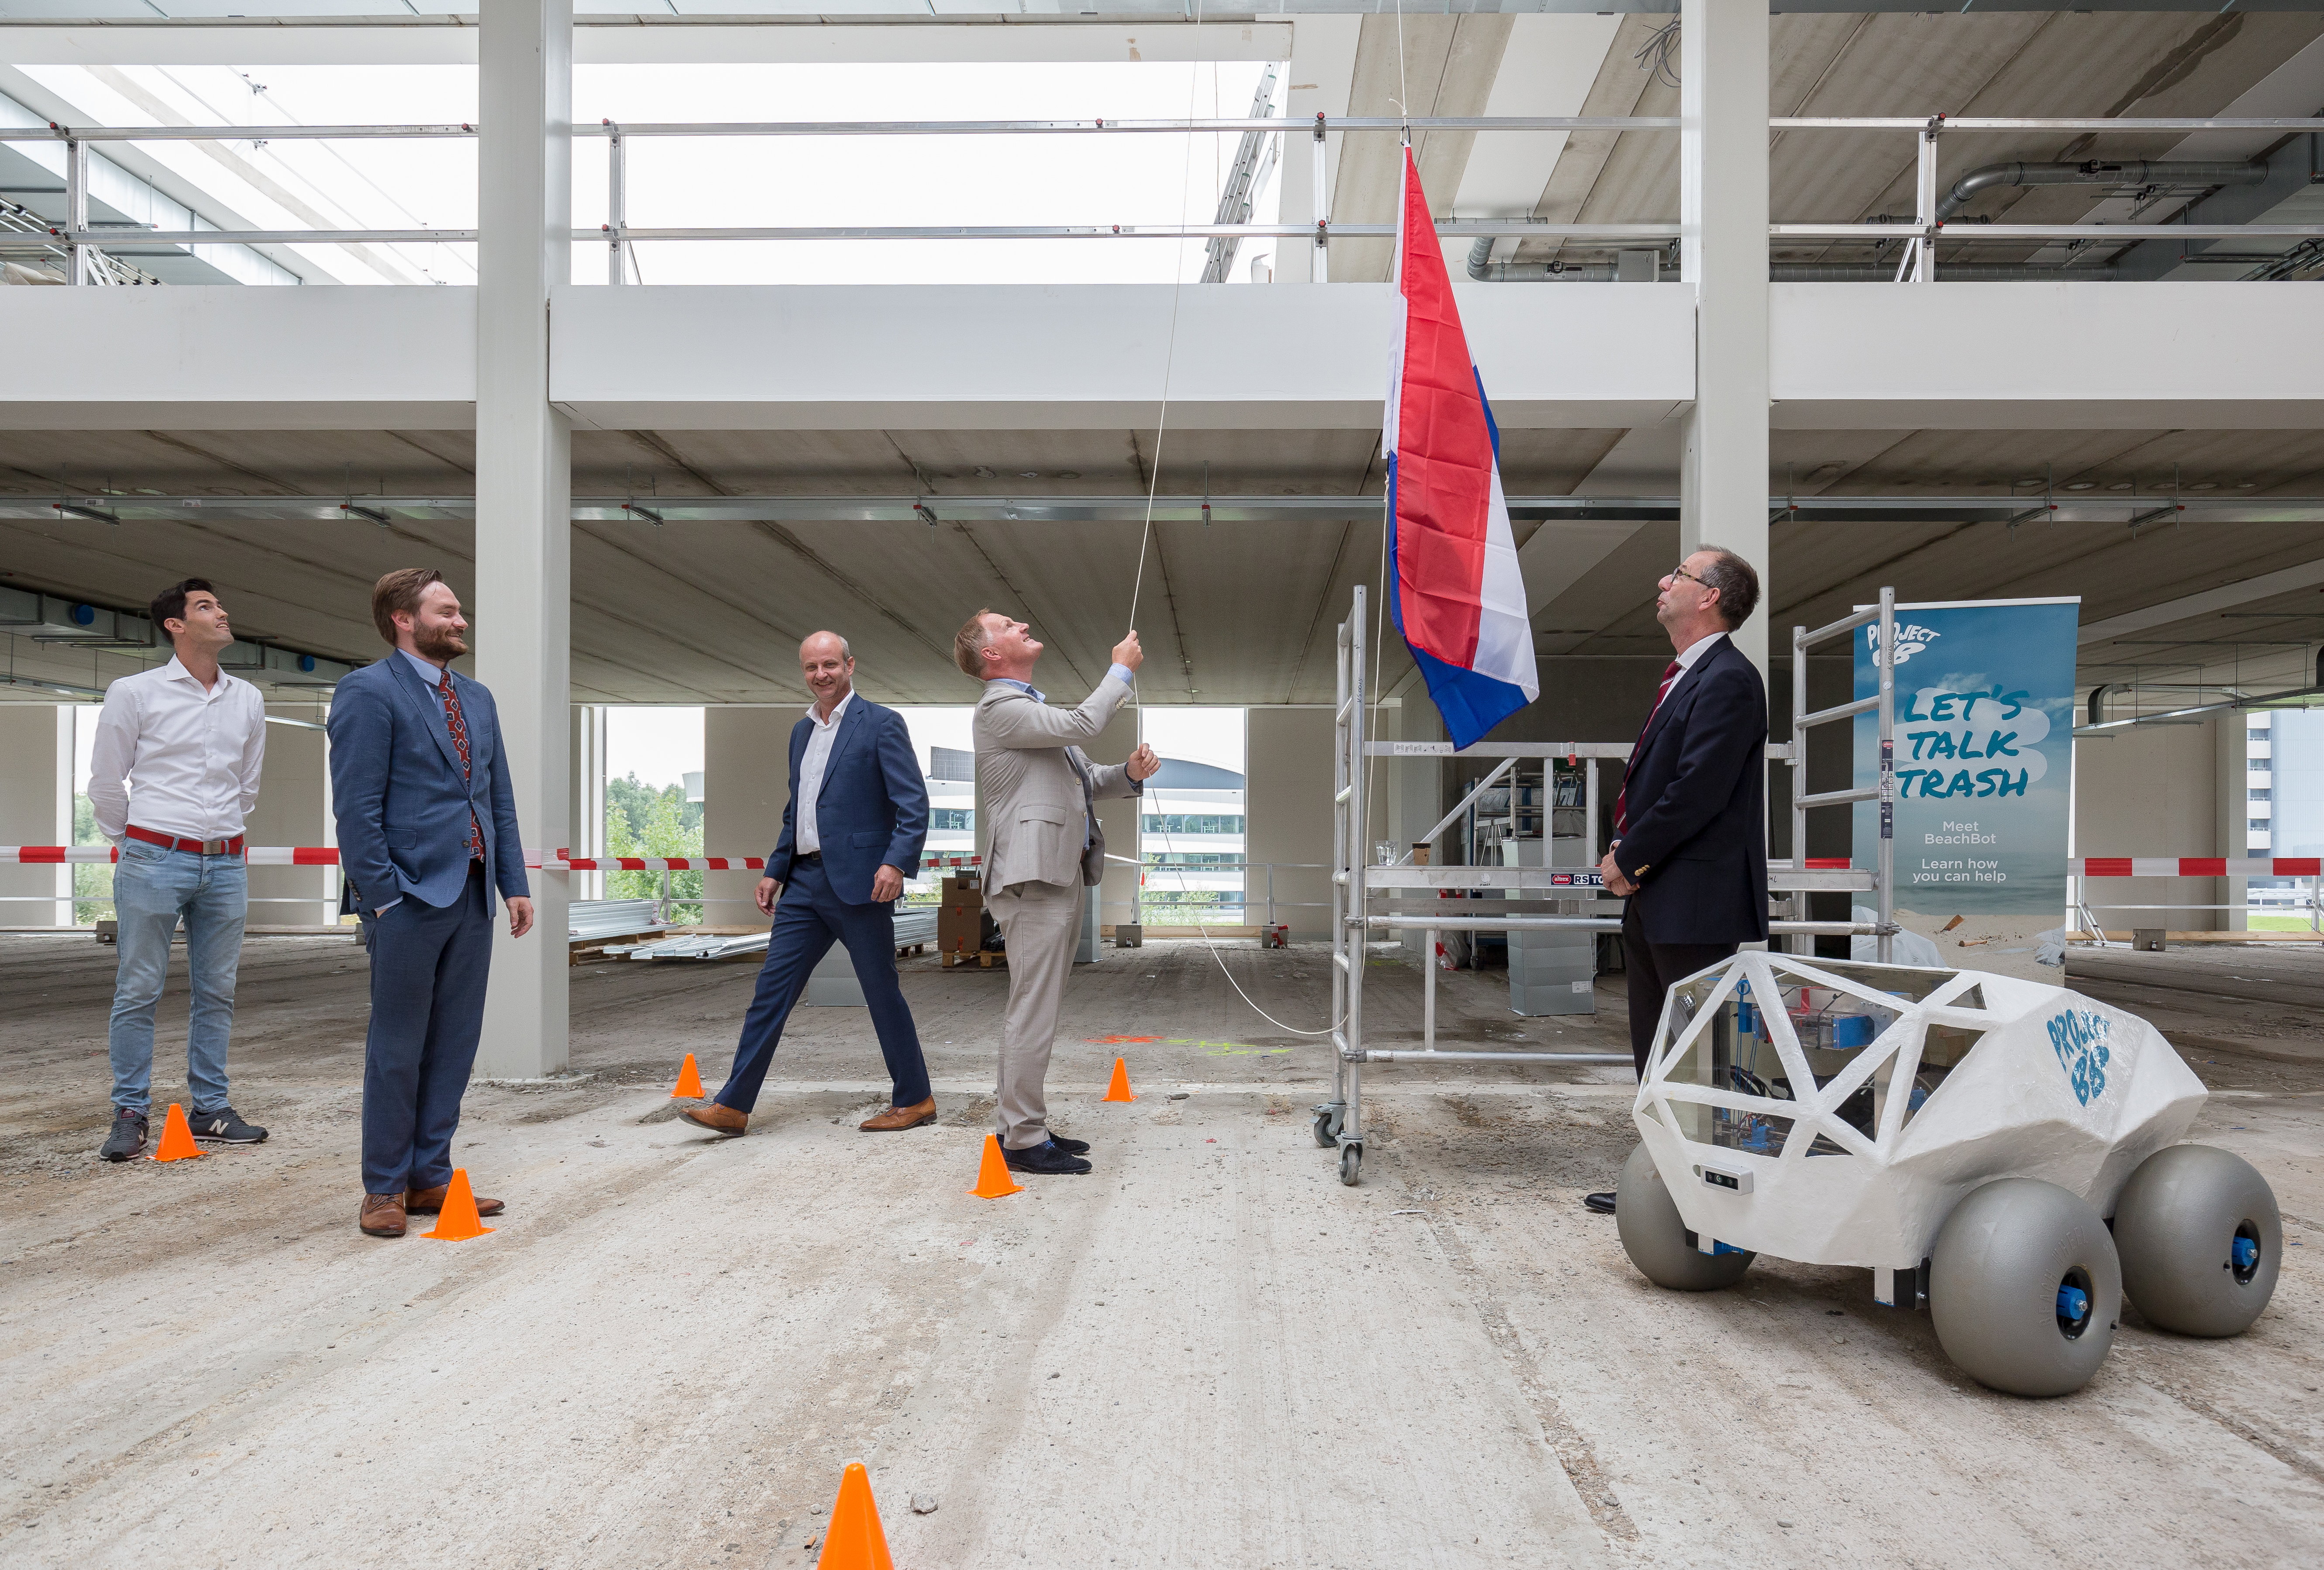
(172, 773)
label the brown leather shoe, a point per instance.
(428, 1201)
(381, 1214)
(900, 1117)
(720, 1120)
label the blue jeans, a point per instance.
(152, 889)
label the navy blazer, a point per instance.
(396, 791)
(873, 807)
(1695, 797)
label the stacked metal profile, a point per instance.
(911, 926)
(589, 921)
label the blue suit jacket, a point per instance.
(396, 790)
(1697, 841)
(873, 807)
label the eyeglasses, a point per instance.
(1679, 573)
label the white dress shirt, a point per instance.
(807, 840)
(1696, 650)
(176, 757)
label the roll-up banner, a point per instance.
(1985, 702)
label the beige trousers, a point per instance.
(1042, 922)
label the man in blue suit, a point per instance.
(854, 824)
(427, 834)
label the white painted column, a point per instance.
(1723, 255)
(36, 789)
(524, 490)
(587, 823)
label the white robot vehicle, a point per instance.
(2005, 1151)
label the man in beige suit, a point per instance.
(1040, 796)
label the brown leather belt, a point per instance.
(192, 847)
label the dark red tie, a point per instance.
(1621, 797)
(459, 726)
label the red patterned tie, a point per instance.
(1621, 797)
(459, 724)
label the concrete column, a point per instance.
(586, 822)
(294, 809)
(746, 780)
(36, 764)
(1287, 814)
(1119, 817)
(524, 493)
(2230, 815)
(1723, 215)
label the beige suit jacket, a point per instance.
(1039, 789)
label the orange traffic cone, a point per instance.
(689, 1081)
(457, 1221)
(993, 1182)
(176, 1139)
(853, 1540)
(1119, 1089)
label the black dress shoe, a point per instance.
(1047, 1158)
(1603, 1204)
(1070, 1147)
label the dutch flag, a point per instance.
(1455, 586)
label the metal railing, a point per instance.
(1918, 263)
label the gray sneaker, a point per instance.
(128, 1135)
(224, 1127)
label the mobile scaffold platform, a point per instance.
(1398, 897)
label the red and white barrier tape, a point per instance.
(2196, 867)
(324, 855)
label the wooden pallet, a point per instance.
(983, 961)
(909, 949)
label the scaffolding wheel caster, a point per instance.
(1351, 1161)
(1327, 1126)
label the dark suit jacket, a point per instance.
(873, 807)
(396, 791)
(1697, 841)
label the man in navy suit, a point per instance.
(1689, 853)
(428, 833)
(855, 822)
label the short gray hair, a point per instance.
(844, 652)
(1737, 581)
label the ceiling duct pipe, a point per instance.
(1485, 270)
(1950, 272)
(2132, 172)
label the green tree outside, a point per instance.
(641, 821)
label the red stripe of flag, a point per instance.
(2202, 866)
(2105, 867)
(630, 864)
(314, 855)
(33, 854)
(2299, 866)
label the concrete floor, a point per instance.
(1209, 1353)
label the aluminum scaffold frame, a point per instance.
(1355, 883)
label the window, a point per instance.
(1193, 859)
(958, 819)
(2259, 795)
(1192, 822)
(2257, 766)
(2260, 824)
